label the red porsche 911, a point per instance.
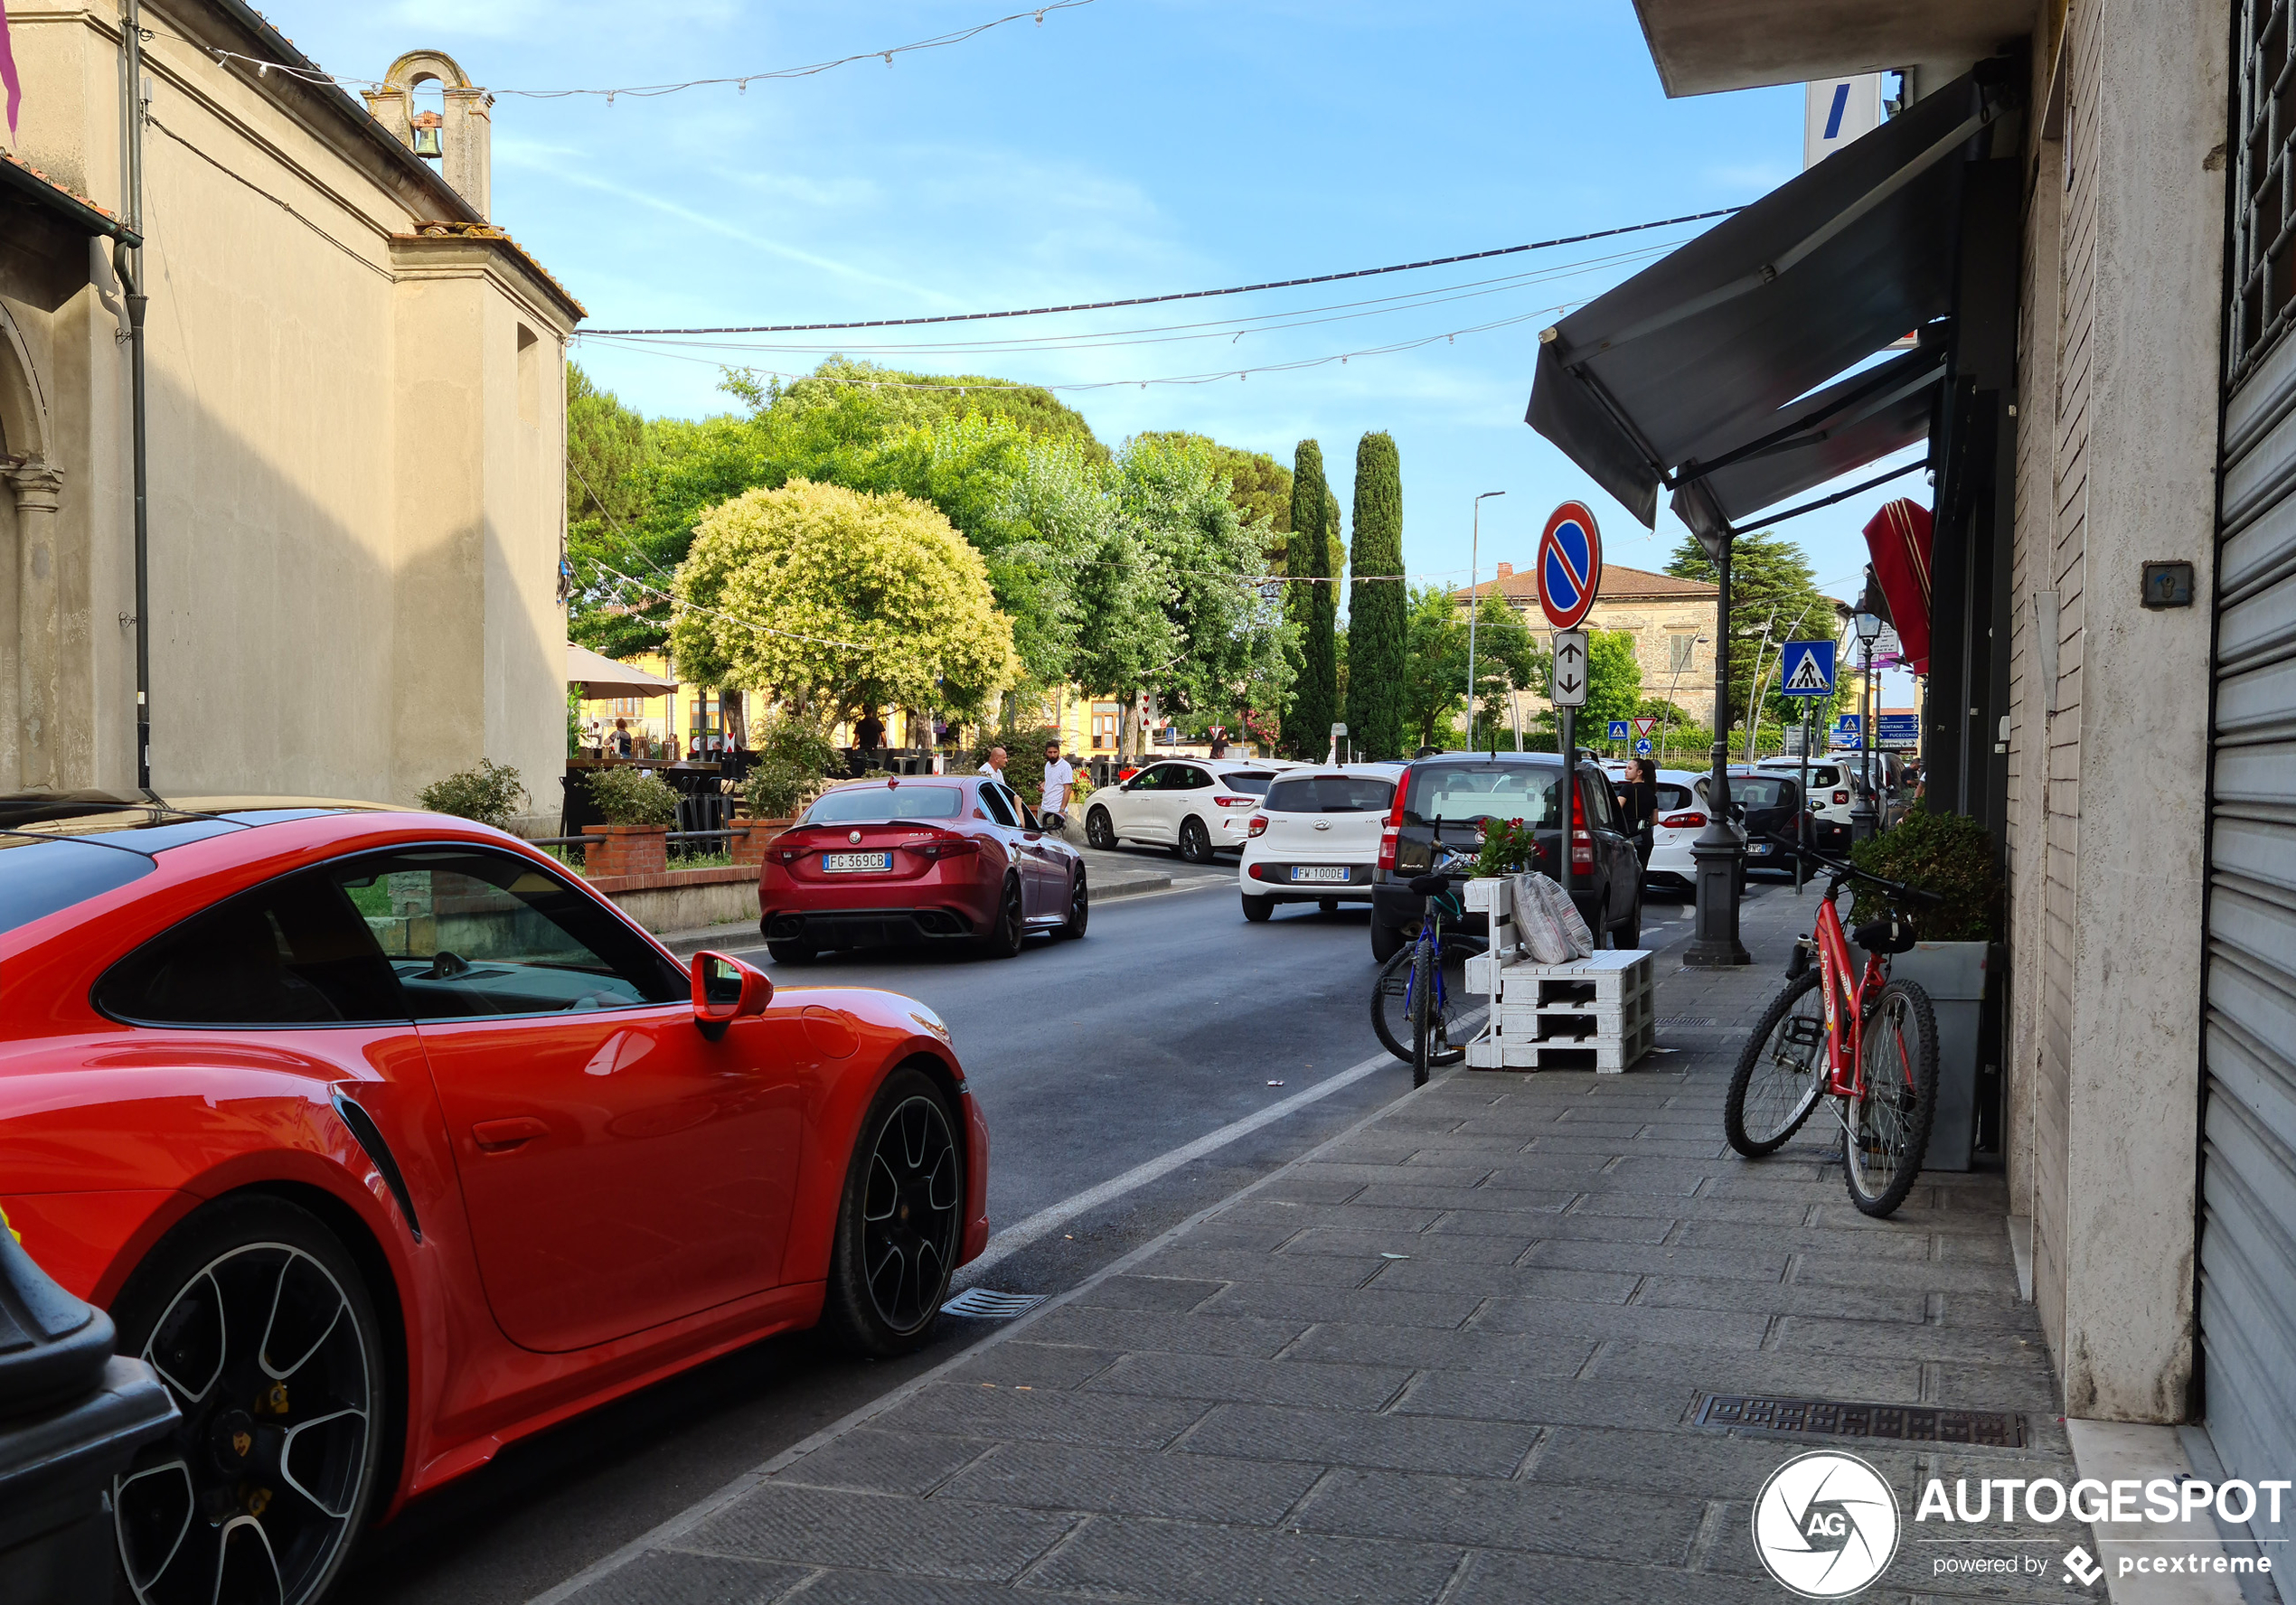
(386, 1142)
(939, 858)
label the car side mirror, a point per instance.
(725, 990)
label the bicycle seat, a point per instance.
(1894, 934)
(1430, 886)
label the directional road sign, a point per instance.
(1570, 669)
(1570, 565)
(1642, 747)
(1898, 729)
(1809, 668)
(1644, 725)
(1618, 730)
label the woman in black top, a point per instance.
(1637, 805)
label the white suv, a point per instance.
(1195, 806)
(1833, 794)
(1317, 837)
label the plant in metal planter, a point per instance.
(1954, 961)
(491, 794)
(627, 797)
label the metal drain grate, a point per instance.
(1913, 1423)
(985, 1304)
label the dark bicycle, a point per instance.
(1422, 994)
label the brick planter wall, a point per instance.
(616, 851)
(750, 846)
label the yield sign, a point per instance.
(1570, 565)
(1644, 726)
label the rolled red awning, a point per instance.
(1899, 539)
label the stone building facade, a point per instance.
(357, 421)
(1670, 620)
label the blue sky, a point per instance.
(1123, 147)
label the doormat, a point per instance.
(1912, 1424)
(985, 1304)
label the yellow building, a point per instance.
(355, 413)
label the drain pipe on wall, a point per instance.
(129, 262)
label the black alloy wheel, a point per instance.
(1195, 841)
(1097, 830)
(257, 1320)
(899, 1227)
(1001, 940)
(1080, 906)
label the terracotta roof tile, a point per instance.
(21, 165)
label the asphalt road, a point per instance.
(1172, 1020)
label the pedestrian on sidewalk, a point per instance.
(1060, 774)
(998, 759)
(1638, 806)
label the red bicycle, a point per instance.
(1879, 1037)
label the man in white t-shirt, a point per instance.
(1060, 774)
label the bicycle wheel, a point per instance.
(1455, 1020)
(1782, 1074)
(1885, 1130)
(1425, 984)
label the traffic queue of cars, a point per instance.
(386, 1142)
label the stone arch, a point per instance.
(417, 68)
(24, 403)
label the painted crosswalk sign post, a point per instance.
(1809, 668)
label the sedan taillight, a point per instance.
(1234, 801)
(1259, 825)
(945, 847)
(1692, 821)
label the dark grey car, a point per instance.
(1436, 822)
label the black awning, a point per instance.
(1697, 373)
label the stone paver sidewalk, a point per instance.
(1454, 1356)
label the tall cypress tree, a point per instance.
(1376, 633)
(1307, 720)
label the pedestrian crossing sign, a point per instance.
(1809, 668)
(1618, 730)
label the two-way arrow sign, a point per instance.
(1570, 669)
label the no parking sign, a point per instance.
(1570, 565)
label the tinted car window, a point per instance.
(291, 953)
(1187, 777)
(1598, 804)
(38, 876)
(1760, 791)
(1150, 780)
(1458, 792)
(999, 810)
(880, 804)
(1330, 794)
(1249, 783)
(1672, 796)
(470, 933)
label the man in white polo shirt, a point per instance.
(1060, 774)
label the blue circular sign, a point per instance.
(1570, 565)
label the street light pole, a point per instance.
(1864, 820)
(1474, 606)
(1717, 852)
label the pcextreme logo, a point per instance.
(1825, 1525)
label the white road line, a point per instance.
(1044, 1222)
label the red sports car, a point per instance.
(386, 1142)
(946, 857)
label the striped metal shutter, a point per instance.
(2248, 1176)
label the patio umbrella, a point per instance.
(599, 676)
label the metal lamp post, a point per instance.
(1863, 818)
(1474, 606)
(1719, 854)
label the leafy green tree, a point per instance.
(828, 597)
(1378, 631)
(1259, 486)
(1771, 590)
(608, 449)
(1613, 682)
(862, 402)
(1435, 664)
(1507, 658)
(1312, 607)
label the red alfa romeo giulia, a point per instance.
(940, 857)
(386, 1142)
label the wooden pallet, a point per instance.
(1597, 1013)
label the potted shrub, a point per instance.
(1957, 958)
(775, 793)
(490, 794)
(638, 810)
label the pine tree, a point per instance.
(1307, 718)
(1377, 633)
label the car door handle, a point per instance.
(500, 1136)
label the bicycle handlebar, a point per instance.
(1898, 888)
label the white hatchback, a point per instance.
(1317, 837)
(1195, 806)
(1680, 817)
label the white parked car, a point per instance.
(1680, 817)
(1317, 837)
(1195, 806)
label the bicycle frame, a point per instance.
(1845, 1009)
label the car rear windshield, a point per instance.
(1251, 783)
(1330, 794)
(1449, 792)
(1672, 796)
(1759, 791)
(39, 876)
(877, 804)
